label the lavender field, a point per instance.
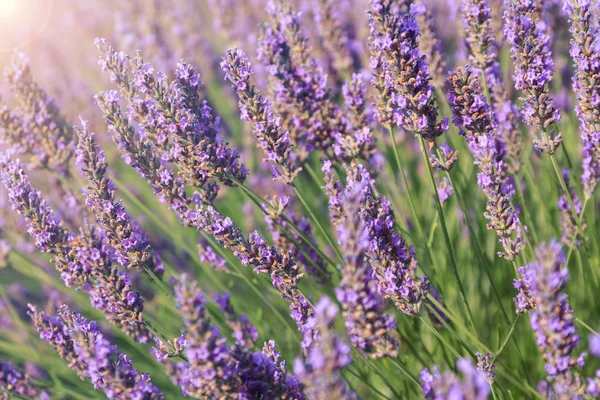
(301, 199)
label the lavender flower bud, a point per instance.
(92, 356)
(124, 235)
(41, 117)
(446, 385)
(13, 381)
(552, 318)
(320, 371)
(477, 21)
(393, 43)
(530, 51)
(392, 261)
(299, 83)
(266, 127)
(585, 51)
(429, 44)
(473, 116)
(486, 365)
(369, 328)
(244, 332)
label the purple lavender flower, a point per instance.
(445, 190)
(429, 43)
(244, 332)
(174, 117)
(447, 385)
(320, 371)
(392, 261)
(585, 51)
(552, 318)
(474, 118)
(302, 98)
(530, 51)
(14, 381)
(363, 143)
(267, 128)
(45, 131)
(369, 328)
(396, 56)
(477, 21)
(485, 364)
(83, 261)
(124, 235)
(253, 250)
(88, 352)
(214, 369)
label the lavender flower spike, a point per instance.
(321, 370)
(266, 126)
(477, 20)
(447, 385)
(88, 352)
(370, 329)
(474, 119)
(585, 51)
(552, 318)
(394, 47)
(123, 234)
(13, 381)
(530, 50)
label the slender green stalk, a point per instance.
(442, 219)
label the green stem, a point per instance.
(440, 211)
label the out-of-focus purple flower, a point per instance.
(485, 364)
(572, 235)
(400, 70)
(127, 239)
(534, 68)
(244, 332)
(552, 318)
(214, 370)
(299, 83)
(42, 130)
(585, 51)
(254, 107)
(87, 351)
(473, 116)
(363, 143)
(392, 260)
(14, 381)
(320, 371)
(438, 385)
(477, 21)
(429, 44)
(445, 190)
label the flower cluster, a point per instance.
(447, 385)
(473, 116)
(244, 332)
(530, 50)
(585, 52)
(266, 127)
(392, 261)
(552, 318)
(14, 381)
(83, 260)
(213, 369)
(370, 329)
(302, 97)
(88, 352)
(320, 371)
(429, 43)
(175, 118)
(477, 20)
(395, 52)
(130, 243)
(42, 131)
